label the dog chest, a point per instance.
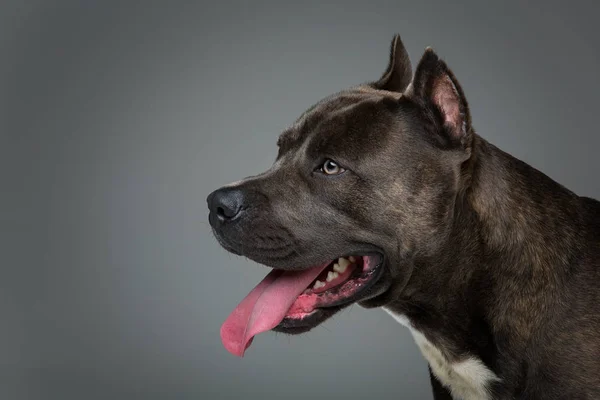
(467, 379)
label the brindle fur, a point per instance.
(484, 254)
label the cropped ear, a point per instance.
(438, 89)
(398, 74)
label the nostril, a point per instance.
(226, 204)
(227, 212)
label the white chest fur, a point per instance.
(467, 380)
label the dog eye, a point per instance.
(330, 167)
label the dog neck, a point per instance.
(521, 214)
(515, 234)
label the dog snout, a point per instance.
(226, 205)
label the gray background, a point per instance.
(118, 119)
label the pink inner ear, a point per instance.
(446, 97)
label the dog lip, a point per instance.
(297, 326)
(359, 253)
(225, 244)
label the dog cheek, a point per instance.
(419, 218)
(308, 221)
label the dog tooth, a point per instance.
(331, 276)
(352, 259)
(339, 268)
(344, 262)
(319, 284)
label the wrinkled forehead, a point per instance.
(345, 122)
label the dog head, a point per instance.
(363, 181)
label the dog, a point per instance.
(384, 195)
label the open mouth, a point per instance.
(336, 285)
(295, 301)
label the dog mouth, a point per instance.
(296, 301)
(337, 285)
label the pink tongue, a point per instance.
(265, 307)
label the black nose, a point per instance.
(226, 204)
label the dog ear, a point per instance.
(398, 74)
(438, 89)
